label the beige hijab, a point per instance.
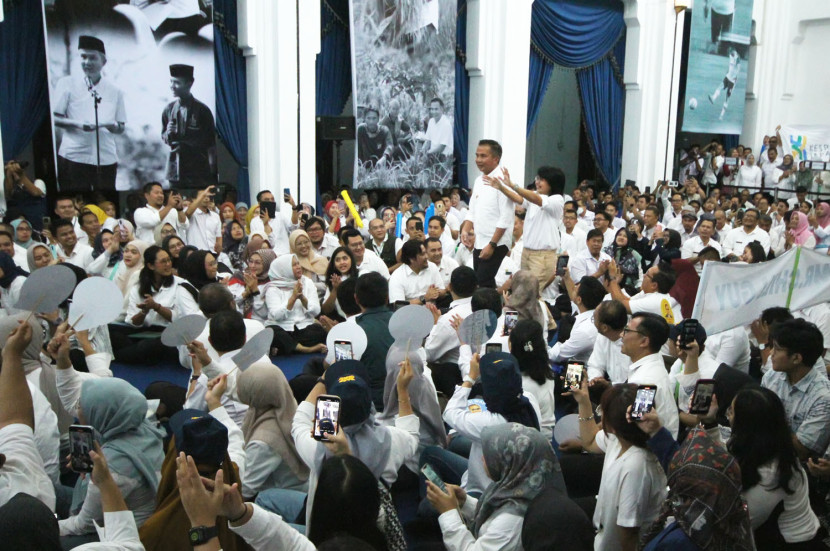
(122, 279)
(312, 264)
(265, 389)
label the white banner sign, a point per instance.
(806, 142)
(730, 295)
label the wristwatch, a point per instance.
(423, 299)
(762, 346)
(494, 244)
(200, 535)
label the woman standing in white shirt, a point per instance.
(522, 464)
(292, 304)
(529, 349)
(633, 484)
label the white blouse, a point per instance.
(276, 300)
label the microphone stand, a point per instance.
(96, 99)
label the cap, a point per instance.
(200, 435)
(677, 330)
(688, 212)
(349, 380)
(86, 42)
(181, 71)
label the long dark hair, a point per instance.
(332, 270)
(147, 276)
(760, 434)
(528, 347)
(757, 250)
(346, 502)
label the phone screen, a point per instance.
(702, 397)
(343, 351)
(573, 375)
(561, 264)
(673, 183)
(326, 416)
(510, 319)
(433, 477)
(689, 332)
(644, 401)
(341, 204)
(81, 438)
(286, 193)
(492, 347)
(400, 304)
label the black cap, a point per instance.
(86, 42)
(200, 435)
(181, 71)
(349, 380)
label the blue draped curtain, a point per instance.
(24, 96)
(588, 36)
(231, 91)
(462, 94)
(334, 62)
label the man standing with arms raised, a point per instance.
(490, 215)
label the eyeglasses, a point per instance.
(627, 329)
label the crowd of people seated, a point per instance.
(442, 443)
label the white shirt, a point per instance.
(585, 264)
(798, 522)
(205, 227)
(442, 343)
(448, 264)
(695, 244)
(730, 347)
(749, 176)
(502, 531)
(281, 226)
(74, 101)
(632, 490)
(147, 219)
(490, 209)
(651, 370)
(405, 284)
(327, 246)
(20, 257)
(542, 223)
(607, 358)
(573, 243)
(372, 263)
(23, 470)
(654, 303)
(546, 398)
(81, 256)
(10, 296)
(439, 132)
(47, 436)
(737, 239)
(581, 342)
(276, 300)
(175, 297)
(252, 327)
(683, 384)
(463, 255)
(119, 533)
(608, 237)
(267, 531)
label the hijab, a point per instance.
(26, 523)
(131, 445)
(10, 270)
(312, 264)
(250, 216)
(97, 211)
(32, 352)
(268, 256)
(123, 279)
(553, 521)
(626, 257)
(824, 221)
(234, 248)
(802, 232)
(157, 238)
(281, 271)
(264, 388)
(254, 245)
(193, 269)
(335, 222)
(30, 254)
(521, 463)
(501, 384)
(24, 244)
(233, 208)
(421, 395)
(99, 249)
(705, 496)
(524, 297)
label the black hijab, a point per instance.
(99, 248)
(501, 384)
(10, 270)
(26, 523)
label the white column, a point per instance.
(498, 58)
(281, 130)
(650, 93)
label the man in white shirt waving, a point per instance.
(490, 215)
(205, 229)
(158, 211)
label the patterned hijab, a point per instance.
(264, 388)
(524, 297)
(705, 496)
(521, 463)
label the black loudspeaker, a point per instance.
(336, 128)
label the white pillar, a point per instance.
(498, 59)
(650, 92)
(281, 129)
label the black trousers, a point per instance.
(286, 341)
(486, 269)
(445, 376)
(82, 177)
(720, 24)
(140, 351)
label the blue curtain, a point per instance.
(231, 91)
(730, 141)
(588, 36)
(24, 96)
(462, 94)
(334, 62)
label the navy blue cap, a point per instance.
(677, 330)
(200, 435)
(349, 380)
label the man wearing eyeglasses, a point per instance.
(641, 341)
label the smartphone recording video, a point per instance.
(573, 374)
(433, 477)
(510, 319)
(561, 264)
(644, 401)
(702, 397)
(81, 442)
(326, 416)
(492, 347)
(343, 351)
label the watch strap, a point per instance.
(200, 535)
